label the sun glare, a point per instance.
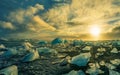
(95, 31)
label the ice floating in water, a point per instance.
(80, 72)
(9, 53)
(101, 50)
(42, 42)
(110, 66)
(12, 70)
(99, 54)
(116, 43)
(102, 63)
(115, 61)
(87, 48)
(94, 71)
(27, 45)
(97, 44)
(114, 50)
(31, 56)
(57, 41)
(112, 72)
(78, 43)
(94, 65)
(2, 46)
(46, 51)
(81, 59)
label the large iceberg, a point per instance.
(31, 56)
(81, 59)
(12, 70)
(9, 53)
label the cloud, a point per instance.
(27, 19)
(116, 29)
(6, 25)
(87, 11)
(79, 16)
(57, 16)
(42, 23)
(64, 17)
(24, 15)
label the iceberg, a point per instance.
(81, 59)
(46, 51)
(115, 61)
(27, 45)
(2, 46)
(31, 56)
(9, 53)
(112, 72)
(94, 71)
(57, 41)
(80, 72)
(87, 48)
(114, 50)
(11, 70)
(101, 49)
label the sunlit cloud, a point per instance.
(6, 25)
(42, 23)
(24, 15)
(66, 18)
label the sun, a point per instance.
(95, 31)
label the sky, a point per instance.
(48, 19)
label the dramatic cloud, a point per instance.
(116, 29)
(24, 15)
(6, 25)
(65, 18)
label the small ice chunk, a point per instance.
(114, 50)
(112, 72)
(101, 50)
(42, 42)
(99, 54)
(27, 45)
(110, 66)
(102, 63)
(2, 46)
(57, 41)
(94, 71)
(87, 48)
(94, 65)
(46, 51)
(80, 72)
(115, 61)
(12, 70)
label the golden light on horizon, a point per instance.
(95, 31)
